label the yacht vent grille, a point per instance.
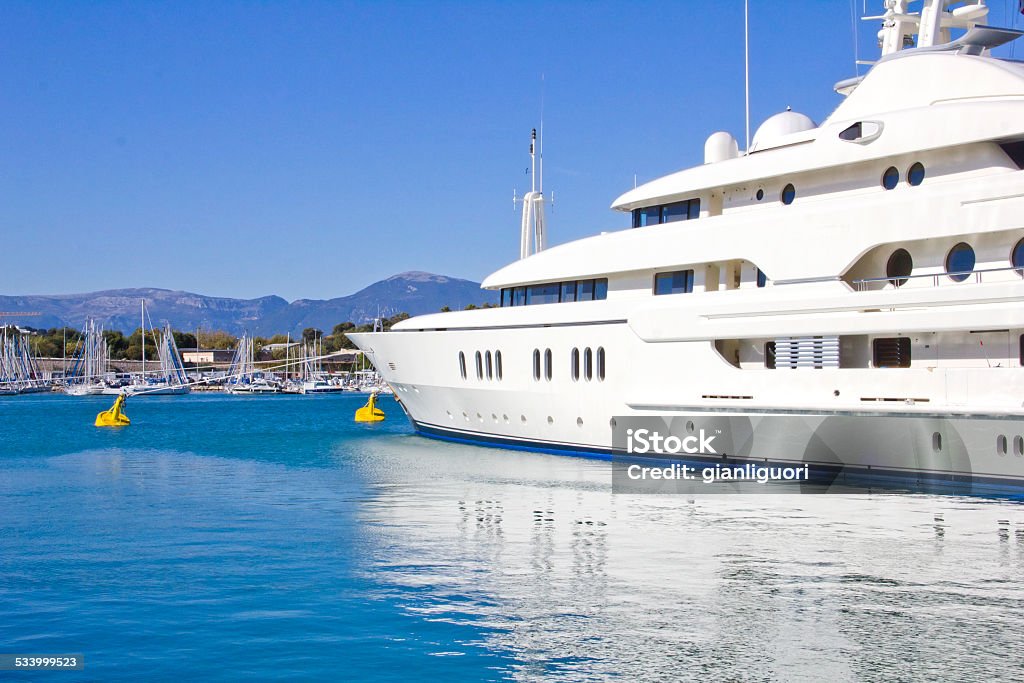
(807, 352)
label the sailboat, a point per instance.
(243, 377)
(89, 364)
(170, 378)
(19, 372)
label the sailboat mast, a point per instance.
(142, 335)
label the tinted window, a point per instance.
(506, 297)
(479, 366)
(490, 365)
(788, 194)
(960, 262)
(519, 296)
(536, 364)
(1017, 255)
(568, 291)
(680, 211)
(915, 176)
(891, 178)
(600, 363)
(544, 294)
(676, 282)
(694, 209)
(585, 290)
(650, 216)
(547, 364)
(762, 279)
(899, 267)
(769, 355)
(600, 289)
(588, 364)
(497, 363)
(574, 364)
(462, 364)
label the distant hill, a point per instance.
(413, 292)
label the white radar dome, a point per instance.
(719, 147)
(779, 126)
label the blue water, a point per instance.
(272, 538)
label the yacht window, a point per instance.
(519, 296)
(891, 178)
(762, 279)
(536, 364)
(588, 364)
(899, 267)
(852, 133)
(490, 365)
(497, 364)
(680, 211)
(891, 352)
(506, 296)
(568, 291)
(760, 194)
(788, 194)
(543, 294)
(600, 363)
(547, 364)
(675, 282)
(462, 364)
(600, 289)
(1018, 445)
(574, 364)
(479, 366)
(960, 262)
(1015, 150)
(585, 290)
(1017, 257)
(769, 355)
(667, 213)
(915, 176)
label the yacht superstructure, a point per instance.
(845, 292)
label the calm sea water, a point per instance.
(272, 538)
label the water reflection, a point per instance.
(578, 583)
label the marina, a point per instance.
(761, 421)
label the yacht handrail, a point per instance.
(860, 284)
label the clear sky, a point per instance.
(307, 149)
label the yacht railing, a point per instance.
(864, 284)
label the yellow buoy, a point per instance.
(370, 412)
(113, 417)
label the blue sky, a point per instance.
(308, 149)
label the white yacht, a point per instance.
(846, 292)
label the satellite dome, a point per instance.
(719, 147)
(779, 126)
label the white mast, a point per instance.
(932, 25)
(142, 331)
(533, 237)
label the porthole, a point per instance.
(788, 194)
(960, 262)
(588, 364)
(690, 426)
(479, 366)
(574, 364)
(937, 442)
(600, 364)
(490, 365)
(891, 178)
(1002, 445)
(551, 420)
(536, 365)
(760, 194)
(497, 364)
(462, 364)
(1017, 257)
(1018, 445)
(547, 364)
(899, 267)
(915, 175)
(579, 421)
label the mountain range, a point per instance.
(412, 292)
